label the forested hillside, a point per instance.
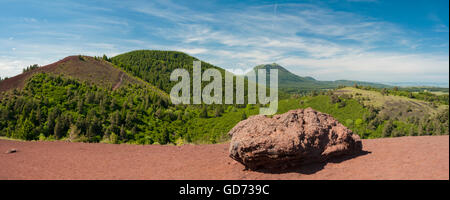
(155, 66)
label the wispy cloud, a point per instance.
(328, 44)
(308, 38)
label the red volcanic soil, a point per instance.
(85, 69)
(425, 157)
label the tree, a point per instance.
(123, 134)
(113, 138)
(358, 122)
(80, 106)
(158, 113)
(91, 133)
(335, 99)
(105, 58)
(58, 129)
(243, 116)
(388, 128)
(218, 112)
(134, 130)
(74, 133)
(38, 115)
(179, 116)
(204, 113)
(165, 136)
(26, 130)
(411, 131)
(51, 122)
(420, 131)
(437, 128)
(129, 120)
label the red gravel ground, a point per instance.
(425, 157)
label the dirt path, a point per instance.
(117, 85)
(424, 157)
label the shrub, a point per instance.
(113, 138)
(42, 137)
(179, 142)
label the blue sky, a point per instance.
(370, 40)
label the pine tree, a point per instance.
(204, 113)
(80, 106)
(388, 128)
(134, 130)
(244, 116)
(420, 131)
(411, 131)
(123, 134)
(165, 136)
(218, 112)
(158, 113)
(58, 131)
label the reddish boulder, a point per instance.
(296, 137)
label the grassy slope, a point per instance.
(347, 115)
(394, 106)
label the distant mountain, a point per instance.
(290, 82)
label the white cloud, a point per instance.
(192, 51)
(308, 39)
(30, 20)
(373, 67)
(328, 44)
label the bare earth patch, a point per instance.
(425, 157)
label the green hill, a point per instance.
(155, 66)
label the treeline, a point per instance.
(3, 78)
(414, 126)
(29, 68)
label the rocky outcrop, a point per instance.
(296, 137)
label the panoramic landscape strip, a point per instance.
(224, 90)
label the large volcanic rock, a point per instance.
(296, 137)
